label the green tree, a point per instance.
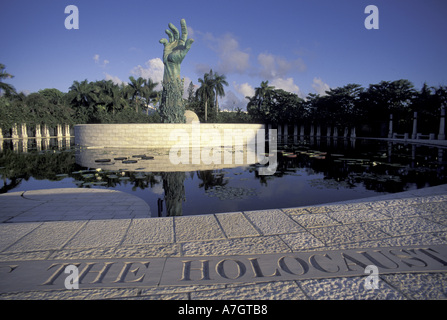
(342, 105)
(258, 105)
(83, 97)
(191, 93)
(136, 89)
(6, 87)
(271, 105)
(206, 91)
(149, 93)
(219, 80)
(53, 96)
(389, 97)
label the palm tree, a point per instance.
(206, 91)
(218, 82)
(137, 90)
(262, 92)
(5, 86)
(83, 96)
(149, 92)
(83, 93)
(112, 96)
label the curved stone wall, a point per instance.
(165, 135)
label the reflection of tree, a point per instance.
(41, 166)
(7, 187)
(143, 181)
(211, 178)
(173, 185)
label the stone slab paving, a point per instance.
(68, 204)
(306, 253)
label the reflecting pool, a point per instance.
(309, 172)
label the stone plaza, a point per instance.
(306, 253)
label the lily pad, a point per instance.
(61, 175)
(130, 161)
(101, 183)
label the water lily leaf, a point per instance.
(61, 175)
(129, 161)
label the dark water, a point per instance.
(309, 173)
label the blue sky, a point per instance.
(302, 46)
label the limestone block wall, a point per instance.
(164, 135)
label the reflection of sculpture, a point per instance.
(173, 185)
(172, 108)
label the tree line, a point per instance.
(106, 102)
(85, 102)
(353, 106)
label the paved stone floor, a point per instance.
(97, 229)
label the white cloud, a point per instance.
(96, 59)
(320, 87)
(273, 66)
(154, 69)
(114, 79)
(245, 89)
(231, 58)
(287, 85)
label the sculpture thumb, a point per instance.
(189, 43)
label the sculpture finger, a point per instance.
(170, 35)
(164, 41)
(175, 31)
(189, 43)
(184, 30)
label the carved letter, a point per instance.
(303, 265)
(316, 265)
(257, 269)
(240, 269)
(101, 273)
(408, 257)
(376, 262)
(122, 276)
(58, 272)
(431, 255)
(186, 272)
(356, 262)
